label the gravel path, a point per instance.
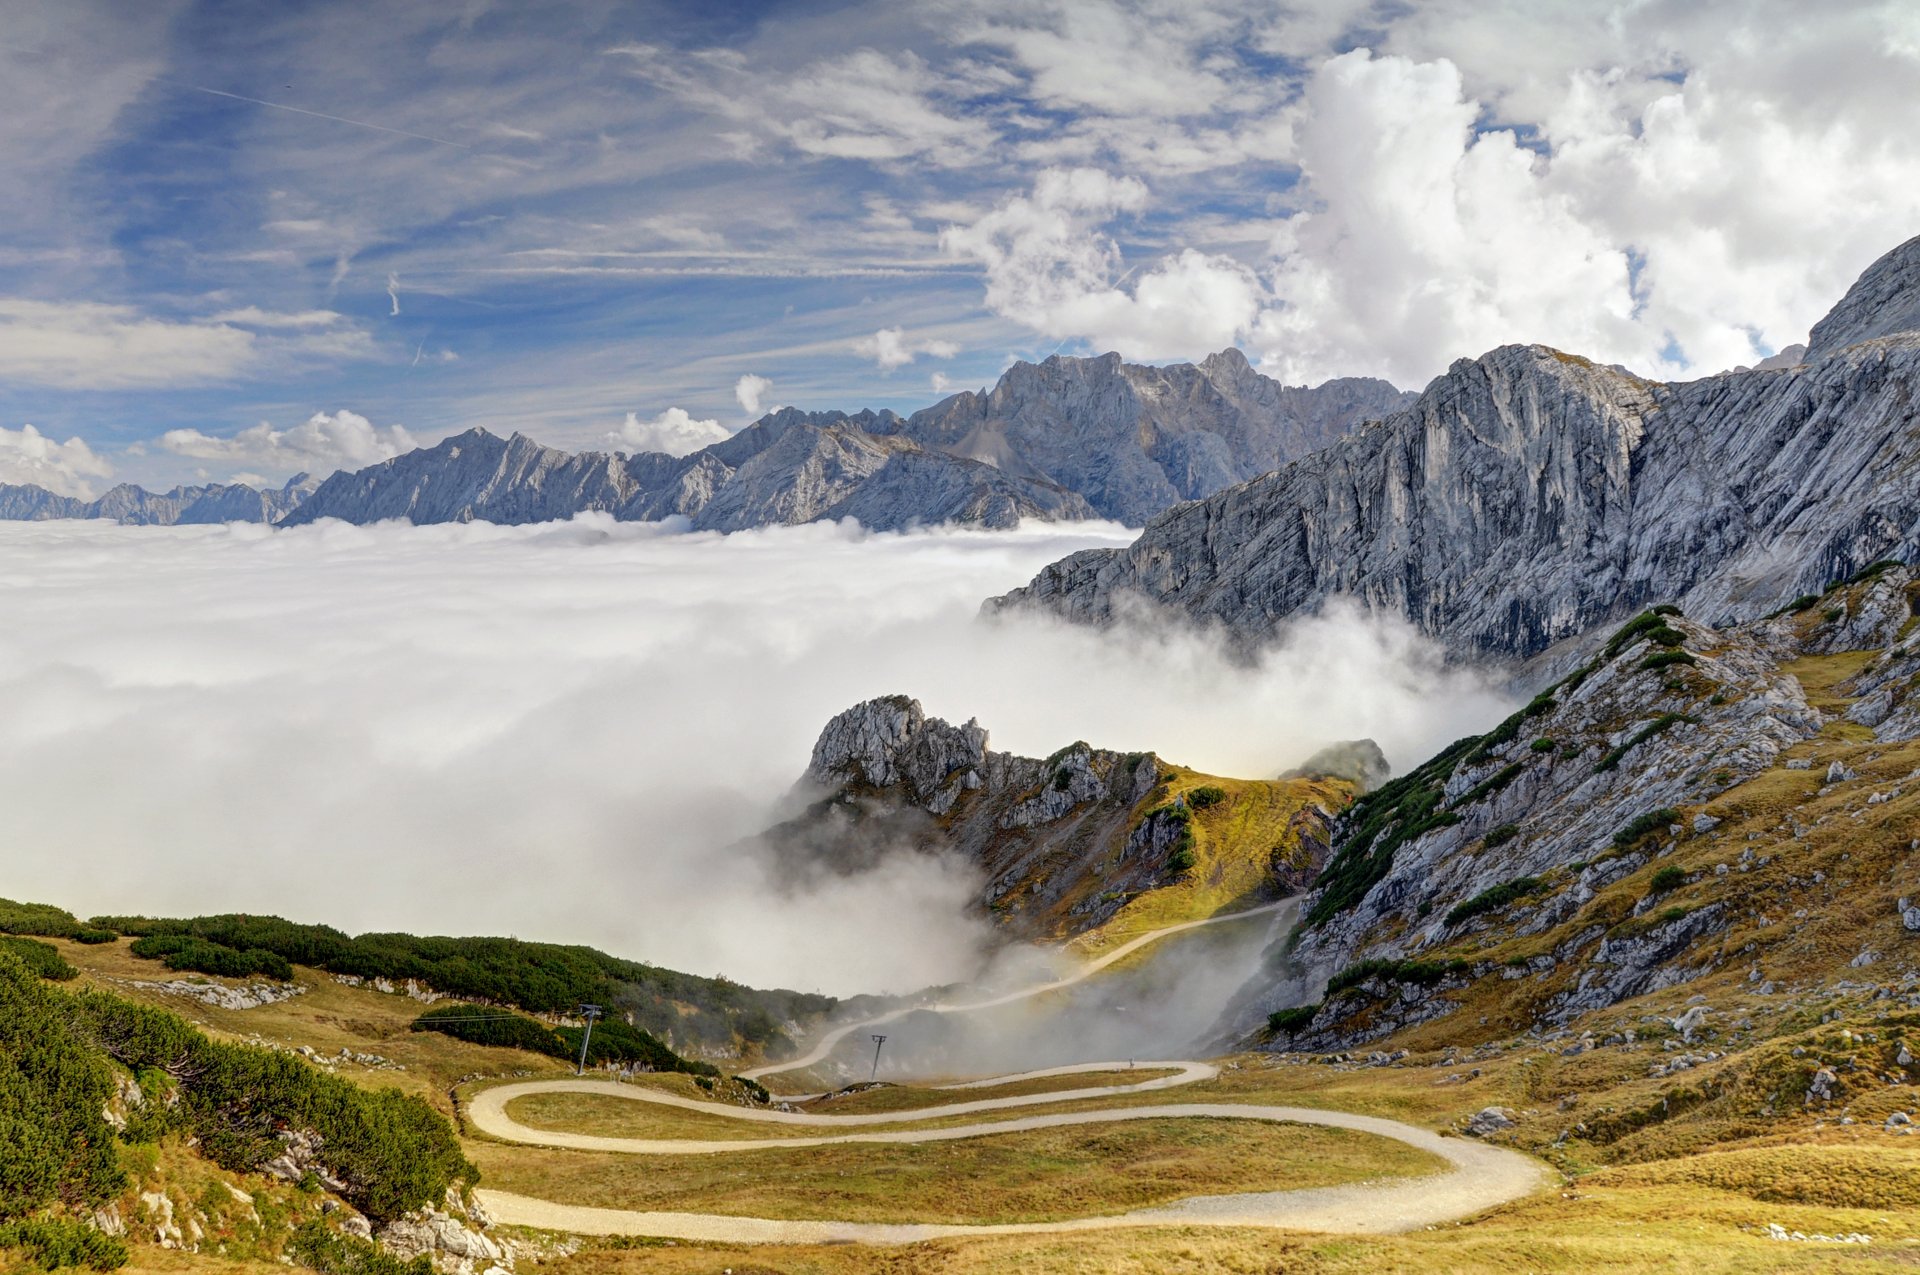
(826, 1043)
(1481, 1177)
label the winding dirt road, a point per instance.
(1482, 1176)
(826, 1043)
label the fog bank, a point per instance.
(563, 731)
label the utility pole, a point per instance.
(878, 1041)
(588, 1012)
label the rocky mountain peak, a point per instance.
(890, 742)
(1885, 300)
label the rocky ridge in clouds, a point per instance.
(136, 506)
(1063, 843)
(1529, 496)
(1063, 439)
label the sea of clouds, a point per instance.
(571, 731)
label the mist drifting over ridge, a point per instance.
(570, 731)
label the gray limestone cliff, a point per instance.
(1529, 496)
(1135, 440)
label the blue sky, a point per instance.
(241, 239)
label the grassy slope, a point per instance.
(1236, 845)
(1037, 1175)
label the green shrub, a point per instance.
(1420, 973)
(1501, 835)
(1832, 614)
(93, 937)
(39, 919)
(1490, 785)
(1292, 1020)
(1209, 795)
(1062, 779)
(53, 1243)
(1180, 861)
(392, 1151)
(1666, 721)
(1493, 899)
(538, 977)
(1543, 745)
(1666, 659)
(1667, 878)
(1667, 608)
(1803, 603)
(320, 1248)
(499, 1028)
(1640, 626)
(55, 1143)
(43, 959)
(188, 952)
(1638, 827)
(1873, 569)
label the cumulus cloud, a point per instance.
(254, 317)
(1051, 264)
(28, 456)
(319, 445)
(674, 432)
(890, 348)
(464, 729)
(751, 391)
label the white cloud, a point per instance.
(87, 345)
(254, 317)
(321, 444)
(674, 432)
(940, 382)
(889, 348)
(393, 291)
(1051, 265)
(751, 390)
(28, 456)
(627, 738)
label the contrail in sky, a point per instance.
(322, 115)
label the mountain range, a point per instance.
(1530, 495)
(1067, 438)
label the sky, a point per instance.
(242, 240)
(573, 731)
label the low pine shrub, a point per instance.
(1292, 1020)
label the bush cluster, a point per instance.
(1639, 826)
(1206, 795)
(190, 952)
(539, 977)
(1420, 973)
(612, 1041)
(1500, 836)
(1382, 821)
(1667, 878)
(43, 959)
(46, 921)
(1292, 1020)
(1666, 659)
(56, 1242)
(1666, 721)
(1492, 899)
(318, 1247)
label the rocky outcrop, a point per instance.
(1061, 843)
(789, 468)
(1529, 496)
(1134, 440)
(136, 506)
(1883, 301)
(1552, 834)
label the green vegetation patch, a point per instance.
(1664, 722)
(1490, 785)
(43, 959)
(1500, 836)
(1293, 1019)
(539, 977)
(1494, 898)
(1206, 795)
(1381, 822)
(1420, 973)
(46, 921)
(1668, 878)
(1666, 659)
(318, 1247)
(612, 1040)
(1637, 828)
(56, 1242)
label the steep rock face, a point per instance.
(1883, 301)
(1062, 844)
(1135, 439)
(1528, 861)
(790, 468)
(1529, 496)
(136, 506)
